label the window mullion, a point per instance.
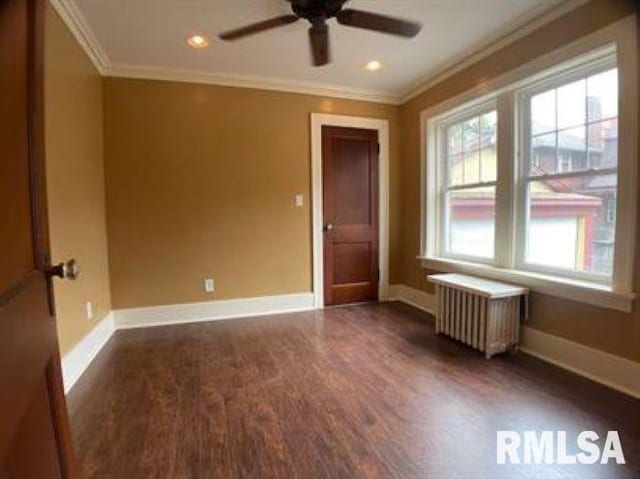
(504, 225)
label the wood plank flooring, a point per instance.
(366, 391)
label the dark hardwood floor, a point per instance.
(364, 391)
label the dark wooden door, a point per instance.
(350, 211)
(34, 433)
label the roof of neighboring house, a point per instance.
(568, 141)
(539, 191)
(604, 182)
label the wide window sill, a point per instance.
(580, 291)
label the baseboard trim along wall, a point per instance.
(211, 310)
(612, 371)
(78, 359)
(412, 296)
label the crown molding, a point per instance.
(73, 18)
(243, 81)
(75, 21)
(525, 25)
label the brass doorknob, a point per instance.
(328, 227)
(66, 270)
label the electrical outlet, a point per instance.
(209, 285)
(299, 200)
(89, 309)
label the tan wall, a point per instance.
(75, 180)
(610, 331)
(200, 183)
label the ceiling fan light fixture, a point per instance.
(197, 41)
(373, 65)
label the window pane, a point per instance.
(571, 223)
(455, 166)
(470, 134)
(472, 167)
(488, 145)
(543, 154)
(602, 96)
(543, 112)
(471, 222)
(586, 134)
(471, 149)
(603, 144)
(571, 104)
(572, 150)
(454, 140)
(488, 164)
(489, 125)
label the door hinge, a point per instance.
(378, 275)
(378, 148)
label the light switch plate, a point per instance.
(299, 199)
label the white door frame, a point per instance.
(318, 120)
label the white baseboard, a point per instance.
(78, 359)
(211, 310)
(610, 370)
(613, 371)
(414, 297)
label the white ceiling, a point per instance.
(151, 33)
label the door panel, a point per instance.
(16, 244)
(28, 334)
(34, 432)
(353, 259)
(350, 211)
(34, 451)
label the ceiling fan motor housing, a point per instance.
(316, 11)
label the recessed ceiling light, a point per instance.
(197, 41)
(373, 65)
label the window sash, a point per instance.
(525, 160)
(476, 109)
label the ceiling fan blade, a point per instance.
(258, 27)
(379, 23)
(319, 40)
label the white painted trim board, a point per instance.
(412, 296)
(318, 120)
(76, 361)
(80, 29)
(211, 310)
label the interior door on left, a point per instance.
(34, 432)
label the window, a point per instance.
(468, 195)
(528, 183)
(570, 164)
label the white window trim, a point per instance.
(620, 36)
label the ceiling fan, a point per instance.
(317, 12)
